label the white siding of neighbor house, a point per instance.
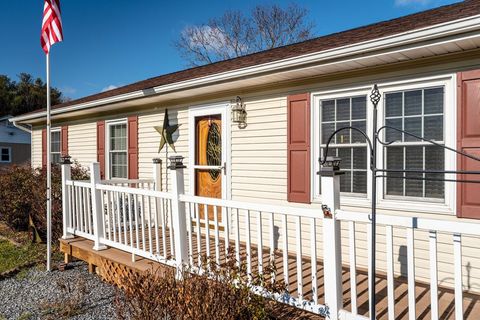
(36, 147)
(82, 143)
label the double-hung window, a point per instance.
(420, 112)
(348, 144)
(117, 150)
(5, 155)
(421, 107)
(55, 146)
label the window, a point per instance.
(419, 112)
(5, 155)
(117, 150)
(55, 146)
(349, 144)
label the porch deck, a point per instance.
(82, 249)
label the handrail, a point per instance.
(79, 183)
(136, 191)
(290, 210)
(412, 222)
(110, 181)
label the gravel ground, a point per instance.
(37, 294)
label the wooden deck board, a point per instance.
(82, 249)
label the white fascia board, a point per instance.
(413, 36)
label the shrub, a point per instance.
(23, 197)
(224, 292)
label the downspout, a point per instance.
(25, 128)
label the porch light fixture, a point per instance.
(239, 114)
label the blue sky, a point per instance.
(113, 43)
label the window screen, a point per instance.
(118, 150)
(55, 146)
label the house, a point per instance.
(427, 68)
(14, 143)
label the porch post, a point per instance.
(97, 207)
(332, 248)
(66, 175)
(178, 210)
(157, 174)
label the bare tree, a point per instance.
(235, 34)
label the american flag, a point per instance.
(51, 25)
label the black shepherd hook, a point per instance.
(375, 97)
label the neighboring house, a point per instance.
(14, 143)
(427, 67)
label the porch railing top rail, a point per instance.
(126, 181)
(281, 209)
(412, 222)
(79, 183)
(136, 191)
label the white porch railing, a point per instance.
(176, 229)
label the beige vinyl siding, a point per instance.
(82, 143)
(149, 141)
(36, 147)
(259, 152)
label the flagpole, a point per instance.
(49, 171)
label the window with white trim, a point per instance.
(349, 144)
(420, 112)
(5, 154)
(55, 146)
(117, 150)
(423, 107)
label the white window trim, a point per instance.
(447, 206)
(108, 124)
(9, 154)
(56, 129)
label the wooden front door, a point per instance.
(208, 161)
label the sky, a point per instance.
(110, 43)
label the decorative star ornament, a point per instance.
(166, 133)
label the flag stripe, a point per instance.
(51, 25)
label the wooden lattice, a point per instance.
(114, 273)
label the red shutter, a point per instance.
(468, 140)
(44, 147)
(132, 147)
(101, 147)
(298, 159)
(64, 140)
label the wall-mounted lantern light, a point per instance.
(239, 114)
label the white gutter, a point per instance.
(463, 25)
(19, 126)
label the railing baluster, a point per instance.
(272, 237)
(108, 222)
(137, 232)
(457, 257)
(124, 224)
(237, 236)
(390, 273)
(299, 258)
(249, 249)
(411, 273)
(72, 207)
(260, 242)
(171, 231)
(129, 204)
(313, 235)
(433, 275)
(163, 219)
(119, 216)
(285, 251)
(80, 209)
(88, 215)
(217, 235)
(207, 229)
(142, 221)
(226, 232)
(199, 234)
(155, 220)
(114, 219)
(190, 232)
(149, 224)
